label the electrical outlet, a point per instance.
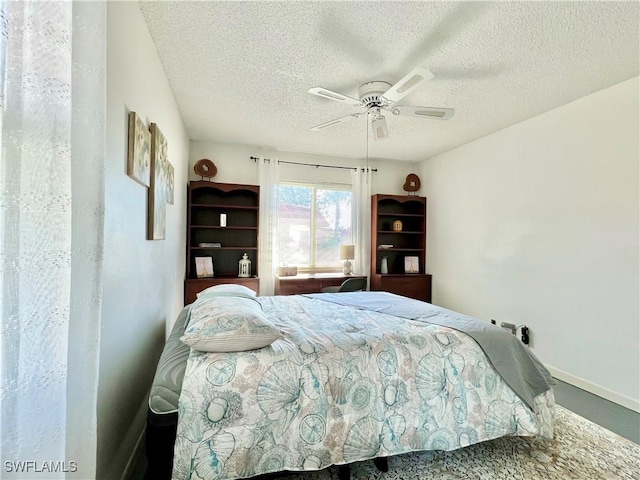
(509, 326)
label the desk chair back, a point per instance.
(349, 285)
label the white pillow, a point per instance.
(228, 324)
(227, 290)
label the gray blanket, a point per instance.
(515, 363)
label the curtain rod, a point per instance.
(255, 159)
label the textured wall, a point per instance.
(538, 224)
(143, 279)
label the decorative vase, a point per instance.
(244, 266)
(397, 226)
(384, 268)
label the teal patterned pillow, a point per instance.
(228, 324)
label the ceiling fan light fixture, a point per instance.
(379, 127)
(378, 95)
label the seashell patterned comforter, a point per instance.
(342, 385)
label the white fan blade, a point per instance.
(331, 123)
(407, 84)
(422, 112)
(338, 97)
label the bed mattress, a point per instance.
(167, 383)
(162, 414)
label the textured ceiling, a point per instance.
(240, 71)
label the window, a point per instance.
(313, 221)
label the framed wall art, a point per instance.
(161, 186)
(169, 183)
(139, 154)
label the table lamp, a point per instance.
(346, 254)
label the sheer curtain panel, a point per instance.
(51, 124)
(269, 179)
(361, 215)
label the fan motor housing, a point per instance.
(369, 93)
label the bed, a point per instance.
(248, 386)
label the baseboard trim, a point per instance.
(135, 455)
(615, 397)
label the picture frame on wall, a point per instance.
(204, 267)
(411, 264)
(161, 186)
(139, 154)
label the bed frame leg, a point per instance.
(344, 473)
(381, 464)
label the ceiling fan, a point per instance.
(378, 95)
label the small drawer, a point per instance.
(297, 287)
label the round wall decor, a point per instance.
(205, 168)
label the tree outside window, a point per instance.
(313, 221)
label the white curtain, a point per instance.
(52, 62)
(361, 213)
(269, 178)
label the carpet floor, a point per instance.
(580, 450)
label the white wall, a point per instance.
(143, 280)
(234, 166)
(538, 224)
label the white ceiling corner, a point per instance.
(240, 71)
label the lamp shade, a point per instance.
(346, 252)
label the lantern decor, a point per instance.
(397, 226)
(244, 266)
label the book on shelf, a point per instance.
(210, 244)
